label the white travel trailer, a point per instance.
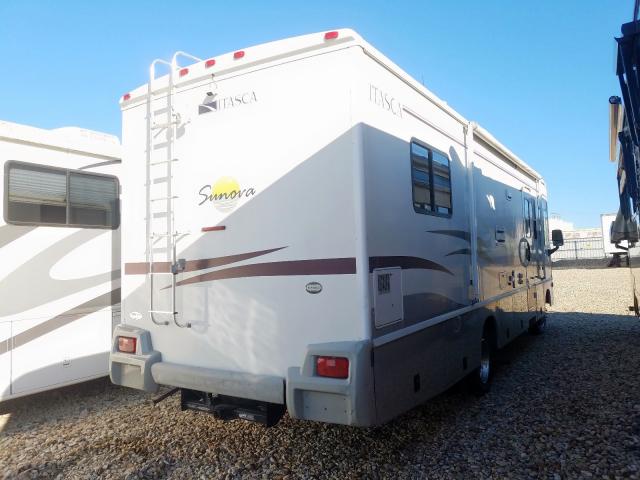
(308, 228)
(60, 256)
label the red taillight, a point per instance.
(334, 367)
(330, 35)
(126, 97)
(127, 344)
(238, 54)
(209, 63)
(183, 72)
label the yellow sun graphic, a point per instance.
(225, 192)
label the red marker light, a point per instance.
(127, 344)
(209, 63)
(126, 97)
(333, 367)
(238, 54)
(331, 35)
(217, 228)
(183, 72)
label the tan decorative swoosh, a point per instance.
(77, 312)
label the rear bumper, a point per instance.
(347, 401)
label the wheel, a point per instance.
(480, 378)
(539, 325)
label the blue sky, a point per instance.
(535, 74)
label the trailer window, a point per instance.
(37, 195)
(40, 195)
(92, 200)
(431, 180)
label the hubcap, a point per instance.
(485, 361)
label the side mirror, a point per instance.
(556, 238)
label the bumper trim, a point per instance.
(264, 388)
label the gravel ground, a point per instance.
(563, 405)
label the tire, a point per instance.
(480, 378)
(539, 325)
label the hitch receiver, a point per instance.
(224, 407)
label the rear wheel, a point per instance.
(539, 325)
(480, 379)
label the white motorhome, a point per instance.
(308, 228)
(60, 256)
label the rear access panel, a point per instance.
(387, 296)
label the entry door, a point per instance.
(529, 249)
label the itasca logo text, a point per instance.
(214, 103)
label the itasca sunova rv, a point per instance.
(309, 229)
(60, 256)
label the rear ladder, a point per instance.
(162, 236)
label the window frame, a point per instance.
(67, 171)
(431, 150)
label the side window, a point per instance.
(431, 180)
(421, 178)
(93, 200)
(527, 218)
(38, 195)
(441, 183)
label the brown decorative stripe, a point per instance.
(462, 251)
(421, 306)
(405, 263)
(325, 266)
(142, 268)
(461, 234)
(87, 308)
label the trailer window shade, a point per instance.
(40, 195)
(92, 200)
(431, 180)
(37, 196)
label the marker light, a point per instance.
(334, 367)
(126, 97)
(217, 228)
(127, 344)
(238, 54)
(183, 72)
(209, 63)
(331, 35)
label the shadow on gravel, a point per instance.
(562, 403)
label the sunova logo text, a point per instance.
(215, 103)
(224, 194)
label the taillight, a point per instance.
(127, 344)
(210, 63)
(334, 367)
(331, 35)
(238, 54)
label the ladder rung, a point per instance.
(160, 180)
(160, 162)
(163, 198)
(164, 312)
(161, 273)
(159, 126)
(159, 146)
(160, 215)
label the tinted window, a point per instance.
(92, 200)
(54, 196)
(37, 195)
(431, 180)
